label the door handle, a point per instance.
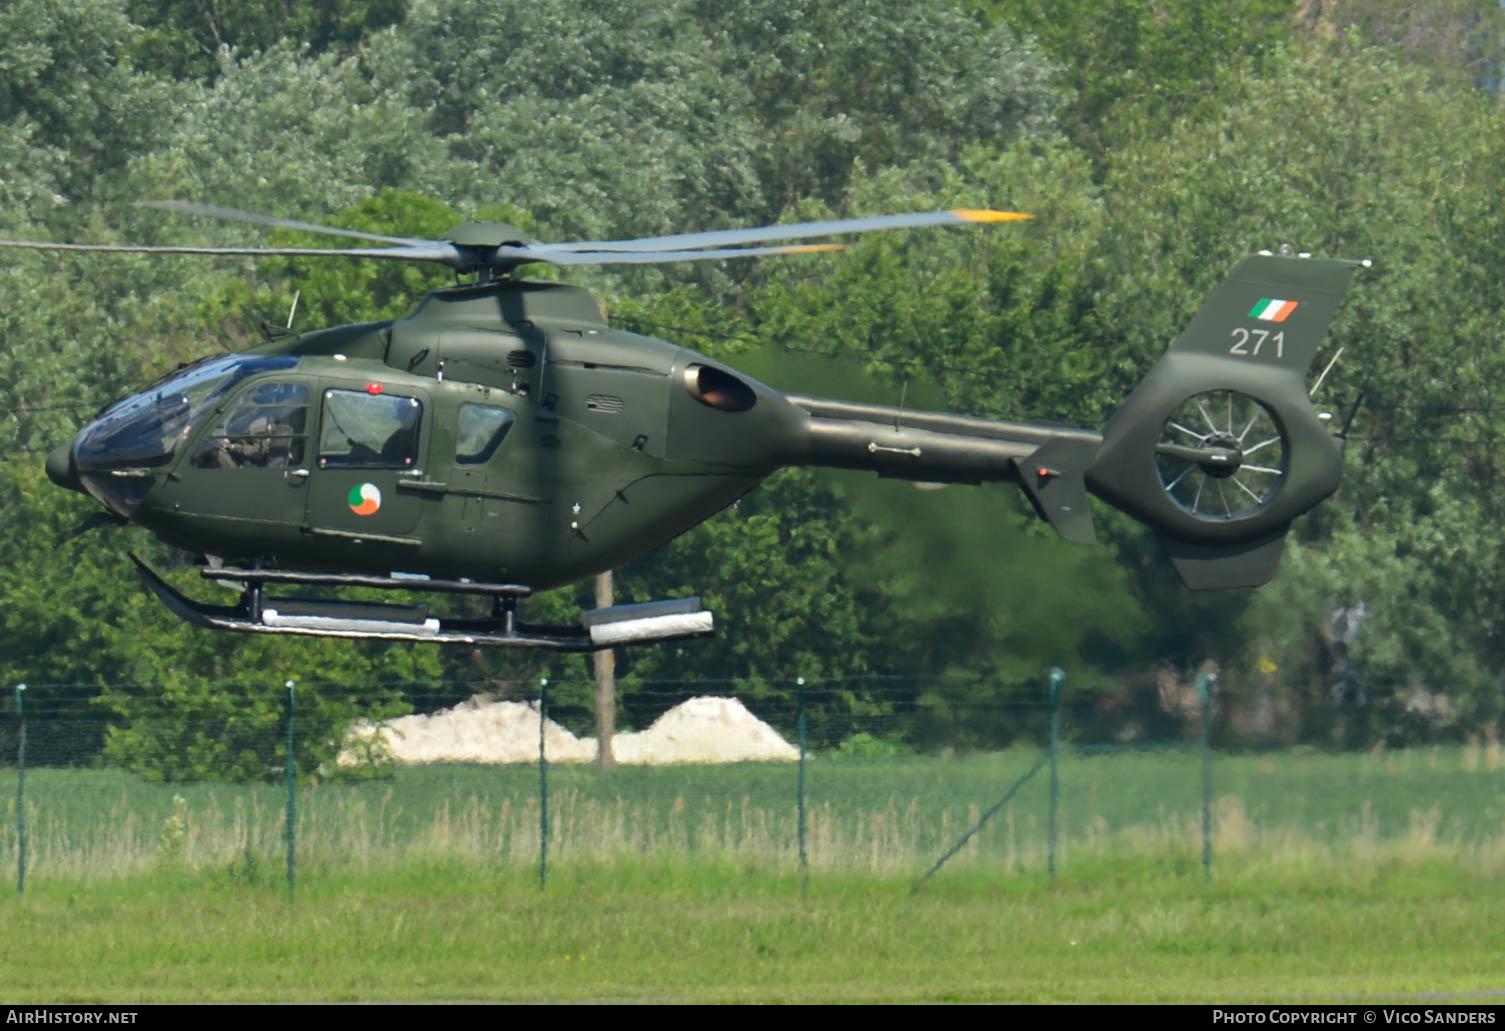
(297, 474)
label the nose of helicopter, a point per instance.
(61, 470)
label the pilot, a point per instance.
(264, 443)
(235, 452)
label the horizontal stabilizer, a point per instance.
(1052, 478)
(1236, 564)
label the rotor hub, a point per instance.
(1223, 456)
(488, 235)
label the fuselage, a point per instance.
(501, 432)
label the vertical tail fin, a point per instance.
(1219, 448)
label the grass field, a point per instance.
(708, 931)
(1367, 876)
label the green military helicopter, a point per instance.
(503, 438)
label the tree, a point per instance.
(72, 107)
(184, 37)
(1461, 40)
(1373, 157)
(1127, 59)
(609, 119)
(284, 132)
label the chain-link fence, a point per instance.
(902, 775)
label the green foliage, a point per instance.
(863, 745)
(1364, 141)
(989, 315)
(836, 86)
(1161, 59)
(608, 118)
(194, 706)
(174, 836)
(1154, 143)
(72, 107)
(184, 37)
(52, 625)
(287, 133)
(163, 699)
(1462, 41)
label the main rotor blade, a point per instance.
(715, 245)
(183, 207)
(440, 252)
(796, 231)
(445, 254)
(658, 257)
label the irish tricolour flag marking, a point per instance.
(1275, 310)
(364, 498)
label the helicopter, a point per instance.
(503, 439)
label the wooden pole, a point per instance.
(606, 685)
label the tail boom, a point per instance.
(924, 446)
(1218, 449)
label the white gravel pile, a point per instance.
(476, 731)
(701, 730)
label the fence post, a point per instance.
(1057, 675)
(543, 785)
(292, 799)
(799, 694)
(21, 792)
(1204, 691)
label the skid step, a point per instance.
(356, 616)
(647, 621)
(611, 627)
(395, 582)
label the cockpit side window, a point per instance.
(147, 429)
(265, 429)
(365, 430)
(480, 432)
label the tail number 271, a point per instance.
(1259, 337)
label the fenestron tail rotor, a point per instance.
(1221, 456)
(495, 248)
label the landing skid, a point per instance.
(256, 613)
